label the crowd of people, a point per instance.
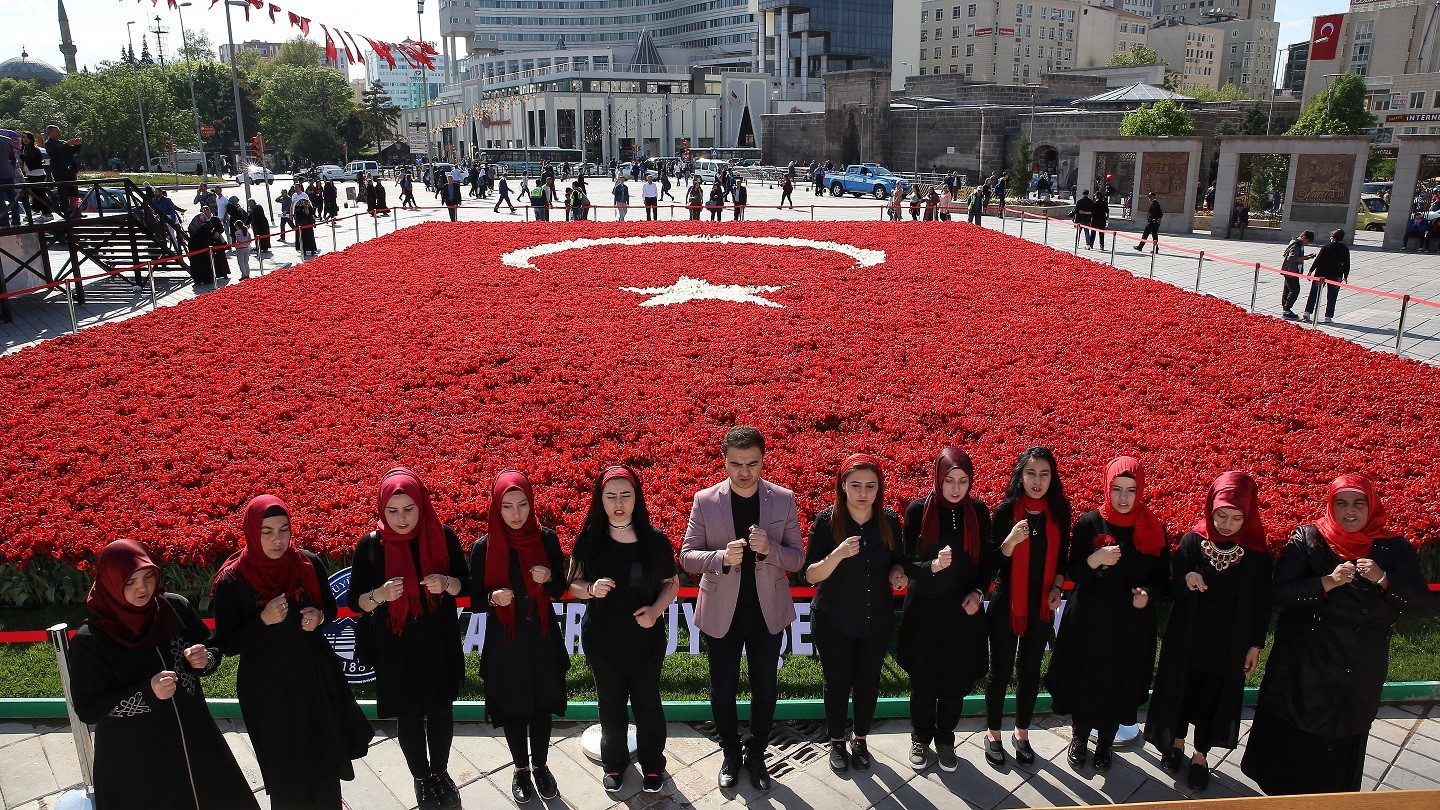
(1340, 583)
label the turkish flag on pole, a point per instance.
(1325, 37)
(331, 55)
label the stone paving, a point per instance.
(38, 762)
(1365, 319)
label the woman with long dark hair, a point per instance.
(135, 668)
(1341, 583)
(407, 572)
(517, 573)
(856, 559)
(942, 628)
(1220, 581)
(1104, 654)
(1032, 540)
(270, 602)
(625, 570)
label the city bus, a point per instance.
(527, 161)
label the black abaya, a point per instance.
(941, 647)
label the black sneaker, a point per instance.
(859, 755)
(1102, 758)
(729, 770)
(1079, 752)
(445, 786)
(545, 782)
(839, 757)
(613, 780)
(759, 774)
(652, 783)
(427, 795)
(521, 788)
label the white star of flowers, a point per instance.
(698, 289)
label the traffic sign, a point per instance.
(207, 131)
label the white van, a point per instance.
(183, 161)
(707, 169)
(355, 168)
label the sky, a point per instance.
(98, 26)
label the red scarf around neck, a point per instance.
(1020, 566)
(291, 576)
(399, 554)
(1347, 544)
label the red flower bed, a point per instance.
(423, 348)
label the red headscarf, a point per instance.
(618, 471)
(1234, 490)
(1020, 565)
(1149, 536)
(399, 560)
(1353, 545)
(291, 576)
(950, 459)
(525, 542)
(132, 627)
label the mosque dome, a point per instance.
(27, 68)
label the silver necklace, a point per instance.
(1221, 559)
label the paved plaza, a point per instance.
(1365, 319)
(37, 762)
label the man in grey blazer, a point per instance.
(743, 539)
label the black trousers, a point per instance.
(1202, 702)
(762, 652)
(504, 198)
(785, 195)
(1332, 292)
(324, 795)
(528, 739)
(1291, 293)
(1152, 231)
(1003, 643)
(429, 732)
(849, 667)
(650, 212)
(635, 681)
(934, 718)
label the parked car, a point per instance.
(109, 201)
(355, 168)
(651, 171)
(257, 174)
(864, 178)
(183, 161)
(707, 169)
(1373, 213)
(1379, 187)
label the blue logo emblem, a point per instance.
(341, 633)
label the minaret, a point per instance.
(67, 45)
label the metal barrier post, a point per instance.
(1319, 290)
(1045, 238)
(334, 242)
(374, 220)
(1254, 286)
(812, 213)
(1076, 249)
(154, 304)
(1022, 224)
(1152, 263)
(1114, 237)
(1400, 327)
(84, 746)
(70, 302)
(1198, 268)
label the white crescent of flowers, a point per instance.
(524, 257)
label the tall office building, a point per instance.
(1018, 43)
(407, 87)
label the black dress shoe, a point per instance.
(1171, 761)
(839, 757)
(1199, 777)
(427, 793)
(1079, 752)
(449, 794)
(759, 774)
(859, 755)
(1024, 754)
(730, 771)
(545, 782)
(521, 788)
(1102, 758)
(994, 752)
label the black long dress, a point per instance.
(524, 676)
(153, 754)
(1327, 666)
(422, 667)
(202, 242)
(302, 719)
(941, 647)
(1104, 653)
(305, 230)
(261, 226)
(1206, 640)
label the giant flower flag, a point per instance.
(560, 348)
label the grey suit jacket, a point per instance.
(712, 527)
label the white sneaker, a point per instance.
(1327, 320)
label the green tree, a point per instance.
(1338, 111)
(1161, 118)
(300, 52)
(1138, 56)
(1230, 92)
(216, 102)
(39, 111)
(197, 47)
(378, 114)
(1020, 170)
(302, 110)
(104, 114)
(13, 94)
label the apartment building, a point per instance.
(1202, 11)
(1248, 51)
(1193, 51)
(998, 41)
(1104, 31)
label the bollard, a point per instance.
(1076, 249)
(1045, 237)
(812, 213)
(84, 746)
(527, 212)
(376, 222)
(1114, 237)
(1254, 286)
(154, 304)
(1022, 225)
(70, 302)
(1198, 268)
(1152, 263)
(1400, 327)
(334, 243)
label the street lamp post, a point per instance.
(424, 79)
(194, 108)
(917, 131)
(1273, 82)
(235, 86)
(135, 74)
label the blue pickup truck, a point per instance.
(864, 178)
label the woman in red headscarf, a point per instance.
(1341, 584)
(1031, 538)
(625, 570)
(1104, 655)
(407, 573)
(271, 599)
(856, 559)
(134, 675)
(1220, 581)
(516, 572)
(942, 627)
